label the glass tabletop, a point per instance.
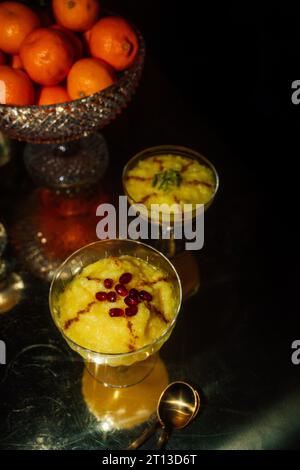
(223, 343)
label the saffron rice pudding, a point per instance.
(117, 305)
(170, 179)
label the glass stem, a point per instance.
(169, 247)
(67, 149)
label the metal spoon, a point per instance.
(178, 404)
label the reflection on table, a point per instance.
(118, 409)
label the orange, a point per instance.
(16, 22)
(53, 95)
(47, 56)
(87, 35)
(77, 15)
(86, 43)
(15, 87)
(89, 76)
(113, 39)
(2, 58)
(75, 41)
(16, 62)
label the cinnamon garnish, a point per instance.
(186, 166)
(137, 178)
(151, 283)
(68, 323)
(157, 160)
(145, 198)
(129, 325)
(199, 183)
(157, 312)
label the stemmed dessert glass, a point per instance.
(184, 261)
(66, 154)
(116, 370)
(170, 246)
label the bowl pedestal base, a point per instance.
(60, 216)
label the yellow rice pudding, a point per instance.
(170, 179)
(90, 319)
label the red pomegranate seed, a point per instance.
(111, 296)
(108, 283)
(131, 311)
(121, 290)
(116, 312)
(125, 278)
(101, 296)
(144, 295)
(133, 292)
(130, 300)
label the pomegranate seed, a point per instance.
(108, 283)
(111, 296)
(131, 301)
(121, 290)
(133, 292)
(125, 278)
(116, 312)
(144, 295)
(131, 311)
(101, 296)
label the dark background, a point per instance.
(218, 78)
(233, 63)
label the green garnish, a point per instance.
(167, 179)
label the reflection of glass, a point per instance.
(50, 227)
(5, 150)
(118, 370)
(3, 239)
(188, 270)
(11, 284)
(65, 152)
(126, 408)
(169, 246)
(10, 292)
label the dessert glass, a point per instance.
(116, 370)
(170, 246)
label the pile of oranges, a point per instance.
(68, 53)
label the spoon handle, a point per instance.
(143, 437)
(163, 438)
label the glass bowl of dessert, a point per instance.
(171, 176)
(116, 303)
